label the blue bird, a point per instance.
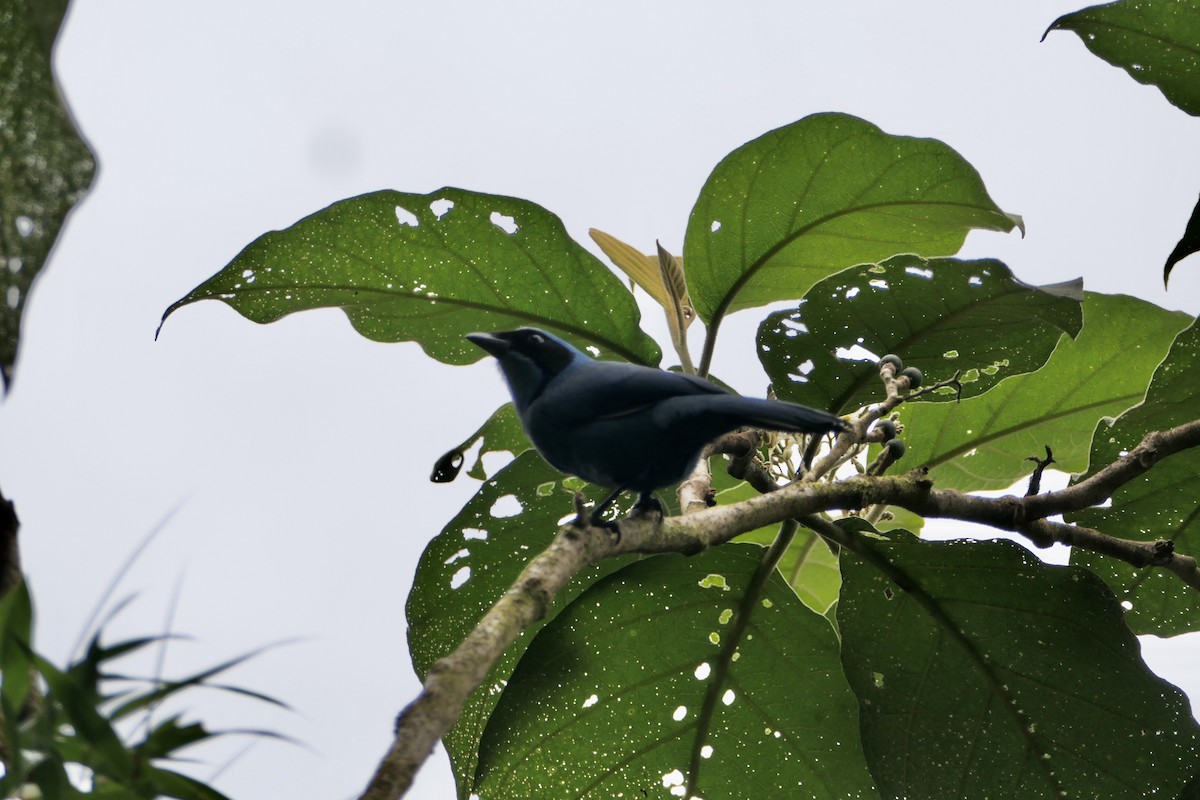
(623, 426)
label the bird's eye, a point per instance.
(536, 338)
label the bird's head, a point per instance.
(529, 359)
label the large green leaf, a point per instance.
(941, 315)
(469, 565)
(820, 195)
(606, 700)
(1158, 505)
(982, 443)
(432, 268)
(985, 673)
(45, 167)
(1157, 43)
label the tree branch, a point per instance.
(451, 679)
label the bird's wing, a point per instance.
(611, 389)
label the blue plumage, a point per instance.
(624, 426)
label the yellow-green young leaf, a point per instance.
(45, 167)
(432, 268)
(825, 193)
(982, 672)
(1161, 504)
(982, 443)
(641, 268)
(1156, 41)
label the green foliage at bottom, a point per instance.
(608, 698)
(982, 672)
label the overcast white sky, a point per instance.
(295, 456)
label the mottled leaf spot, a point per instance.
(459, 578)
(506, 506)
(25, 226)
(680, 714)
(726, 615)
(716, 225)
(919, 272)
(728, 697)
(706, 751)
(504, 222)
(463, 553)
(474, 533)
(703, 671)
(14, 296)
(441, 207)
(855, 353)
(712, 580)
(406, 217)
(591, 701)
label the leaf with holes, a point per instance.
(45, 167)
(982, 672)
(1188, 244)
(432, 268)
(501, 433)
(470, 564)
(820, 195)
(1156, 43)
(941, 315)
(1160, 504)
(982, 443)
(606, 700)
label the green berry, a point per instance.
(914, 377)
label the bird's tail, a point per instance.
(776, 415)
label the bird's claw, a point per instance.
(648, 505)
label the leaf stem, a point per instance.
(741, 620)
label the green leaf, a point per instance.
(1189, 243)
(991, 674)
(808, 566)
(1157, 43)
(1160, 504)
(820, 195)
(982, 443)
(501, 433)
(432, 268)
(106, 752)
(45, 167)
(470, 564)
(16, 655)
(605, 701)
(942, 316)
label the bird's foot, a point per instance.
(648, 504)
(609, 525)
(583, 519)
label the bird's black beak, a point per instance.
(490, 342)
